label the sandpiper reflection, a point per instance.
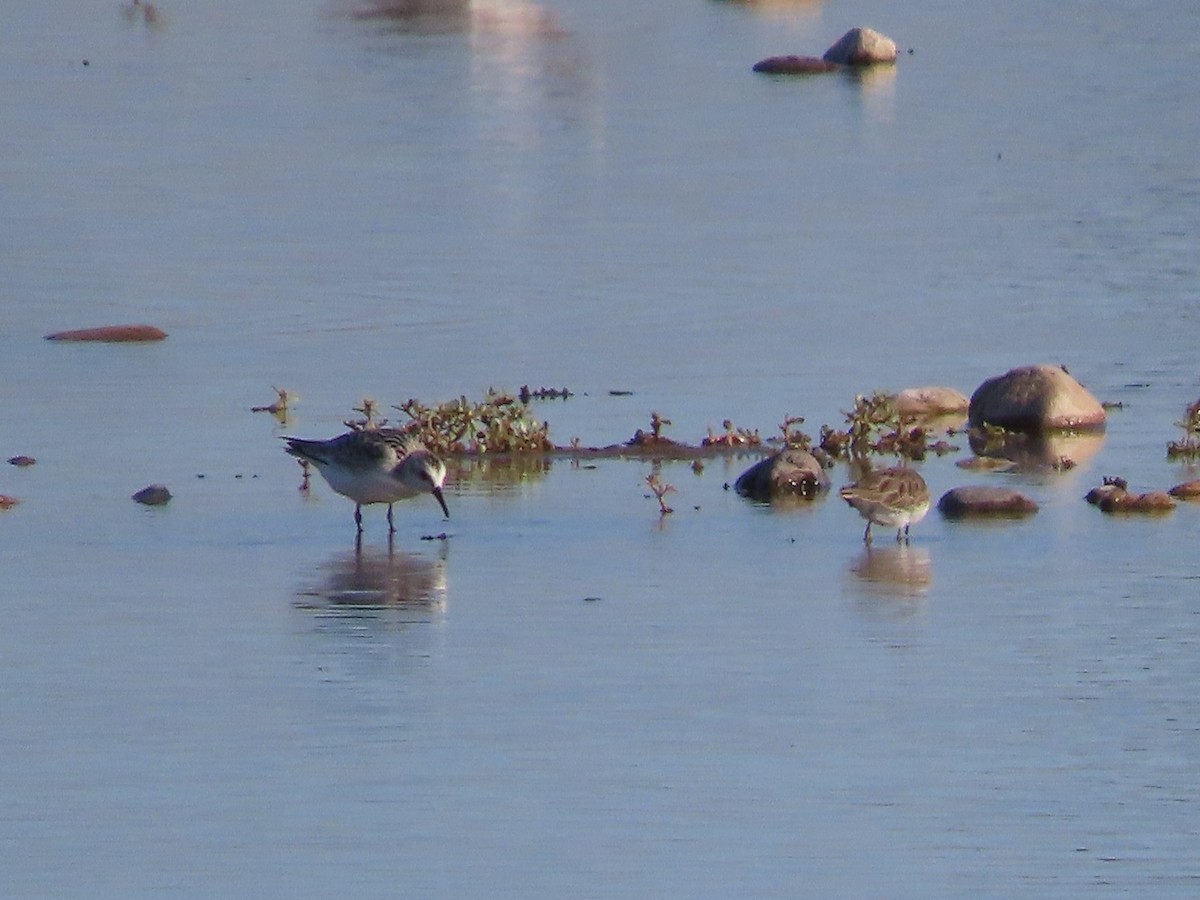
(380, 578)
(903, 569)
(504, 17)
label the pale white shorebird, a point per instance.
(375, 465)
(895, 497)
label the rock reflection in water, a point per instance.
(379, 579)
(1036, 451)
(886, 570)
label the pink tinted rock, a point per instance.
(862, 47)
(931, 401)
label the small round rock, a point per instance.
(153, 495)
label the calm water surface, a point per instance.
(571, 696)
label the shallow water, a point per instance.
(571, 694)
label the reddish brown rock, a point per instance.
(862, 47)
(974, 500)
(1114, 497)
(793, 65)
(112, 334)
(789, 473)
(7, 502)
(21, 461)
(1189, 490)
(1036, 399)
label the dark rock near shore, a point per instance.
(113, 334)
(153, 495)
(789, 473)
(862, 47)
(973, 500)
(1036, 399)
(21, 461)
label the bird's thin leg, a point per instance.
(358, 517)
(899, 535)
(391, 527)
(867, 533)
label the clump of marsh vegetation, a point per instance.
(875, 426)
(655, 437)
(792, 435)
(1187, 447)
(732, 437)
(500, 423)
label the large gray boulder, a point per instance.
(862, 47)
(789, 473)
(1036, 399)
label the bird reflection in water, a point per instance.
(519, 18)
(380, 579)
(885, 571)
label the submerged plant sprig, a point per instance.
(1188, 447)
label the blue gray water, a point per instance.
(572, 695)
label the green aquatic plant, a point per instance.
(1188, 447)
(876, 426)
(499, 423)
(732, 437)
(793, 436)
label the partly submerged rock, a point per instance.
(7, 502)
(862, 47)
(793, 65)
(789, 473)
(21, 461)
(1036, 399)
(122, 334)
(930, 402)
(1114, 497)
(975, 500)
(153, 495)
(1189, 490)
